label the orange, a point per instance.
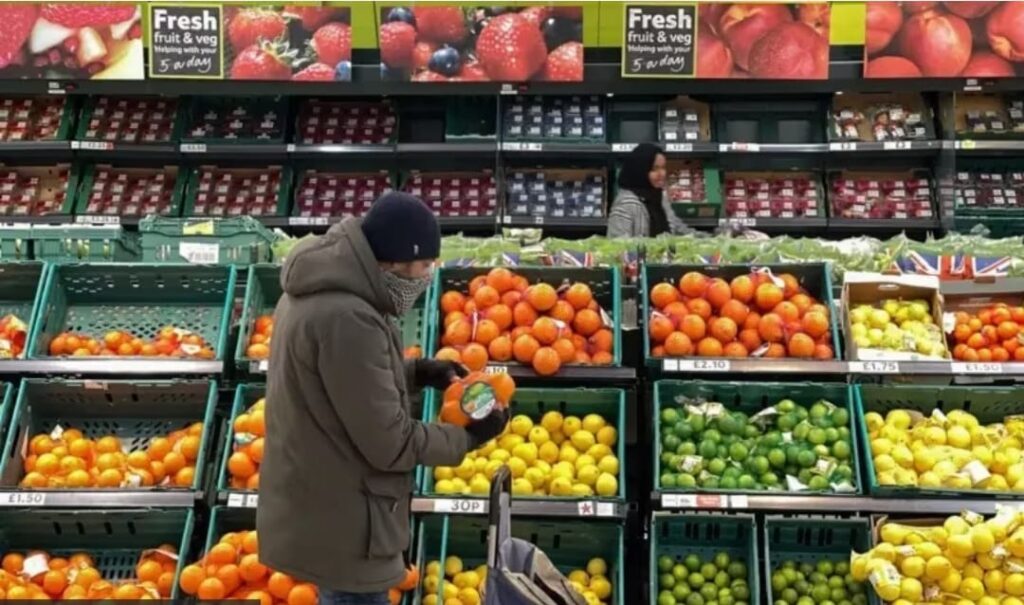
(501, 315)
(662, 295)
(579, 296)
(709, 347)
(1017, 314)
(251, 569)
(802, 302)
(541, 297)
(124, 349)
(303, 594)
(767, 296)
(693, 284)
(565, 349)
(452, 301)
(239, 465)
(191, 577)
(229, 577)
(1018, 355)
(583, 358)
(660, 327)
(984, 354)
(54, 582)
(678, 345)
(742, 288)
(961, 332)
(1001, 314)
(130, 592)
(546, 330)
(1000, 354)
(547, 361)
(602, 358)
(262, 596)
(563, 312)
(694, 327)
(700, 307)
(676, 311)
(159, 447)
(735, 349)
(750, 339)
(815, 324)
(823, 351)
(801, 345)
(452, 317)
(587, 322)
(775, 350)
(474, 357)
(412, 578)
(395, 596)
(476, 283)
(500, 349)
(718, 293)
(149, 570)
(108, 444)
(789, 312)
(958, 351)
(500, 279)
(511, 298)
(189, 446)
(770, 328)
(976, 341)
(791, 285)
(504, 387)
(1007, 330)
(736, 311)
(752, 321)
(280, 584)
(990, 333)
(723, 329)
(524, 348)
(523, 314)
(602, 340)
(486, 331)
(221, 553)
(446, 354)
(458, 333)
(970, 354)
(520, 284)
(486, 297)
(211, 589)
(58, 346)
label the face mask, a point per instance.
(404, 291)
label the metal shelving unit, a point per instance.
(98, 498)
(107, 366)
(823, 504)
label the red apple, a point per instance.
(891, 67)
(817, 15)
(987, 65)
(710, 13)
(1006, 31)
(714, 59)
(743, 24)
(939, 44)
(917, 7)
(882, 22)
(970, 10)
(791, 51)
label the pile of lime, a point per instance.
(692, 580)
(824, 582)
(785, 447)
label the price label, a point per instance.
(740, 147)
(199, 254)
(462, 506)
(94, 145)
(511, 146)
(98, 220)
(712, 501)
(739, 501)
(259, 367)
(679, 147)
(23, 499)
(496, 370)
(678, 501)
(875, 367)
(977, 367)
(670, 365)
(624, 147)
(200, 228)
(843, 146)
(538, 220)
(506, 219)
(704, 365)
(252, 500)
(739, 222)
(193, 148)
(896, 145)
(967, 144)
(308, 221)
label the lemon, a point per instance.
(598, 451)
(899, 419)
(564, 470)
(987, 600)
(517, 466)
(913, 566)
(607, 435)
(548, 452)
(1011, 601)
(536, 477)
(557, 437)
(958, 436)
(874, 421)
(443, 472)
(927, 550)
(570, 425)
(597, 567)
(934, 435)
(543, 466)
(1014, 473)
(1014, 584)
(583, 440)
(929, 479)
(886, 478)
(881, 446)
(449, 592)
(938, 535)
(461, 486)
(510, 441)
(452, 566)
(460, 580)
(430, 599)
(588, 475)
(994, 580)
(902, 455)
(469, 596)
(431, 584)
(480, 465)
(601, 587)
(997, 483)
(607, 485)
(445, 486)
(888, 592)
(500, 455)
(951, 582)
(911, 589)
(560, 486)
(552, 421)
(924, 460)
(937, 567)
(956, 525)
(433, 568)
(957, 481)
(521, 486)
(581, 490)
(539, 436)
(974, 571)
(972, 589)
(479, 485)
(905, 476)
(960, 545)
(884, 463)
(986, 561)
(465, 470)
(580, 577)
(568, 453)
(982, 539)
(944, 468)
(1015, 543)
(859, 567)
(609, 464)
(527, 452)
(894, 533)
(492, 467)
(521, 425)
(982, 454)
(583, 461)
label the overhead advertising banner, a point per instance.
(944, 40)
(763, 41)
(185, 41)
(71, 41)
(450, 43)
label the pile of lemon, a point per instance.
(952, 451)
(562, 456)
(967, 559)
(454, 583)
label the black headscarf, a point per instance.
(635, 176)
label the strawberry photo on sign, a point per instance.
(446, 43)
(293, 42)
(71, 40)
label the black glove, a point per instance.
(437, 373)
(482, 431)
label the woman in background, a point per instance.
(641, 208)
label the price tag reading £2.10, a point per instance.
(704, 365)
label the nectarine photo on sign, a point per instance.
(943, 39)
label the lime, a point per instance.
(723, 450)
(816, 436)
(694, 599)
(805, 601)
(667, 580)
(831, 435)
(686, 481)
(680, 572)
(708, 449)
(722, 561)
(769, 479)
(841, 450)
(725, 598)
(777, 458)
(806, 569)
(668, 480)
(806, 458)
(713, 435)
(696, 422)
(692, 563)
(789, 595)
(835, 582)
(708, 570)
(665, 598)
(683, 430)
(842, 568)
(771, 439)
(716, 466)
(669, 416)
(821, 451)
(786, 405)
(804, 475)
(818, 410)
(709, 591)
(738, 452)
(721, 578)
(761, 464)
(840, 418)
(695, 580)
(687, 448)
(732, 471)
(670, 443)
(709, 482)
(746, 482)
(792, 451)
(750, 431)
(818, 483)
(737, 570)
(786, 422)
(665, 564)
(681, 591)
(728, 483)
(800, 411)
(800, 431)
(844, 433)
(820, 592)
(838, 594)
(729, 425)
(740, 591)
(666, 458)
(825, 568)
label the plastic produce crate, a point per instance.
(987, 403)
(609, 403)
(84, 243)
(15, 242)
(7, 391)
(176, 178)
(569, 545)
(133, 411)
(812, 539)
(814, 277)
(281, 195)
(604, 282)
(136, 297)
(170, 124)
(21, 287)
(115, 539)
(227, 241)
(750, 398)
(266, 114)
(679, 535)
(245, 396)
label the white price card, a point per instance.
(623, 147)
(252, 500)
(199, 254)
(93, 145)
(704, 365)
(98, 220)
(193, 148)
(977, 367)
(843, 146)
(511, 146)
(679, 147)
(741, 147)
(739, 501)
(896, 145)
(678, 501)
(308, 221)
(875, 367)
(538, 220)
(23, 499)
(496, 370)
(739, 222)
(236, 500)
(605, 509)
(259, 367)
(464, 506)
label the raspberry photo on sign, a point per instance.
(447, 43)
(294, 42)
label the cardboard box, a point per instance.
(871, 289)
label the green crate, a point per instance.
(239, 240)
(814, 277)
(245, 396)
(114, 539)
(569, 545)
(705, 535)
(21, 288)
(87, 177)
(752, 397)
(85, 243)
(284, 197)
(7, 390)
(16, 242)
(51, 184)
(996, 226)
(987, 403)
(134, 411)
(812, 539)
(609, 403)
(140, 298)
(603, 281)
(257, 107)
(89, 106)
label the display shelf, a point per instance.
(106, 366)
(697, 365)
(864, 226)
(107, 150)
(312, 152)
(98, 498)
(822, 504)
(457, 148)
(54, 149)
(565, 223)
(885, 148)
(571, 375)
(797, 223)
(228, 151)
(554, 149)
(971, 146)
(46, 219)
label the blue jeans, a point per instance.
(332, 597)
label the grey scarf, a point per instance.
(404, 291)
